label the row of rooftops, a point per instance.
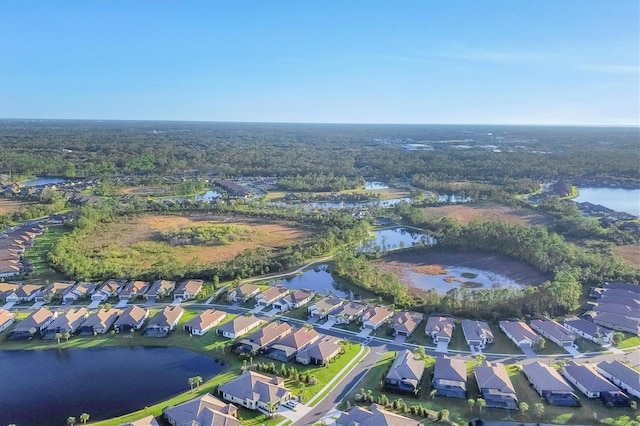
(13, 243)
(616, 306)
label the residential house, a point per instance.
(239, 326)
(450, 377)
(243, 293)
(164, 321)
(589, 330)
(519, 333)
(161, 289)
(6, 319)
(205, 410)
(617, 309)
(188, 289)
(271, 295)
(109, 288)
(145, 421)
(68, 322)
(323, 307)
(495, 386)
(405, 373)
(286, 348)
(99, 322)
(345, 314)
(260, 339)
(25, 293)
(477, 333)
(406, 322)
(375, 415)
(375, 316)
(440, 329)
(131, 319)
(81, 290)
(134, 289)
(255, 391)
(294, 300)
(550, 385)
(555, 332)
(201, 324)
(621, 375)
(593, 385)
(6, 289)
(32, 325)
(610, 320)
(321, 352)
(55, 290)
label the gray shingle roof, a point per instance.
(406, 367)
(451, 369)
(589, 378)
(473, 330)
(376, 415)
(256, 387)
(205, 410)
(545, 378)
(494, 376)
(622, 372)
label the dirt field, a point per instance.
(629, 253)
(487, 212)
(436, 262)
(11, 206)
(140, 235)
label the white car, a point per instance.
(291, 403)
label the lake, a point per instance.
(46, 387)
(396, 238)
(208, 196)
(460, 277)
(42, 181)
(318, 279)
(618, 199)
(349, 205)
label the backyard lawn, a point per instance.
(37, 255)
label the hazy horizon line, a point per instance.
(637, 125)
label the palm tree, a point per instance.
(66, 335)
(192, 382)
(71, 421)
(84, 418)
(432, 394)
(271, 409)
(197, 381)
(58, 337)
(480, 403)
(539, 409)
(524, 407)
(471, 403)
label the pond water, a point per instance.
(460, 277)
(375, 185)
(348, 205)
(394, 239)
(318, 279)
(42, 181)
(208, 196)
(46, 387)
(618, 199)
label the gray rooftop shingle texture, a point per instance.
(407, 366)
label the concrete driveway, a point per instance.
(528, 352)
(442, 347)
(573, 351)
(122, 303)
(94, 304)
(364, 333)
(399, 340)
(272, 312)
(327, 325)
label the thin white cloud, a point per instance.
(612, 69)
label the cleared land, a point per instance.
(139, 238)
(487, 212)
(629, 253)
(12, 206)
(435, 262)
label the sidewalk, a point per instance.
(304, 409)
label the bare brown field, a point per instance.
(139, 235)
(629, 253)
(487, 212)
(12, 206)
(434, 262)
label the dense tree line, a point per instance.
(72, 149)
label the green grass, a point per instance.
(586, 346)
(37, 255)
(629, 342)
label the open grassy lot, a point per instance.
(37, 255)
(487, 212)
(461, 413)
(12, 206)
(629, 253)
(137, 242)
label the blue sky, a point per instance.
(506, 62)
